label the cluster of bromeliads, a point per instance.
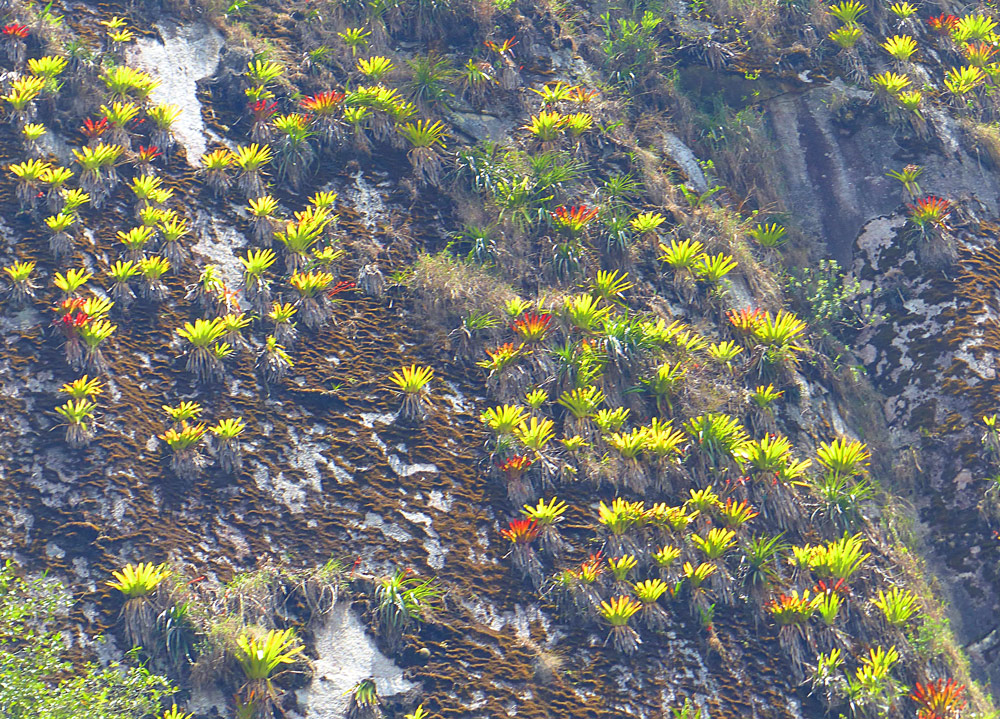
(968, 43)
(241, 637)
(578, 365)
(154, 247)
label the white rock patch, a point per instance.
(187, 54)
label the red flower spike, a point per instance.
(532, 327)
(515, 466)
(322, 103)
(148, 154)
(343, 286)
(16, 30)
(93, 129)
(521, 531)
(940, 699)
(262, 110)
(574, 219)
(930, 211)
(746, 320)
(943, 23)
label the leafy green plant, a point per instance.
(429, 82)
(848, 11)
(40, 677)
(630, 47)
(897, 605)
(403, 599)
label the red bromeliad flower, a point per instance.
(532, 327)
(839, 587)
(943, 23)
(939, 699)
(342, 286)
(930, 211)
(16, 30)
(148, 154)
(746, 320)
(503, 48)
(71, 314)
(501, 357)
(573, 219)
(521, 531)
(515, 466)
(93, 129)
(979, 53)
(323, 103)
(262, 110)
(591, 568)
(582, 96)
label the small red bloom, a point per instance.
(16, 30)
(322, 103)
(521, 531)
(148, 154)
(93, 129)
(532, 326)
(515, 466)
(939, 699)
(341, 287)
(943, 23)
(262, 110)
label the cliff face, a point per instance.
(528, 250)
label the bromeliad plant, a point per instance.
(573, 221)
(153, 269)
(30, 175)
(22, 288)
(779, 335)
(929, 214)
(263, 218)
(364, 703)
(546, 516)
(897, 605)
(792, 612)
(402, 600)
(939, 699)
(203, 357)
(425, 138)
(79, 414)
(521, 533)
(260, 655)
(300, 236)
(648, 592)
(185, 460)
(412, 382)
(770, 236)
(281, 315)
(98, 175)
(250, 162)
(313, 303)
(214, 169)
(617, 612)
(139, 583)
(274, 362)
(257, 288)
(843, 457)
